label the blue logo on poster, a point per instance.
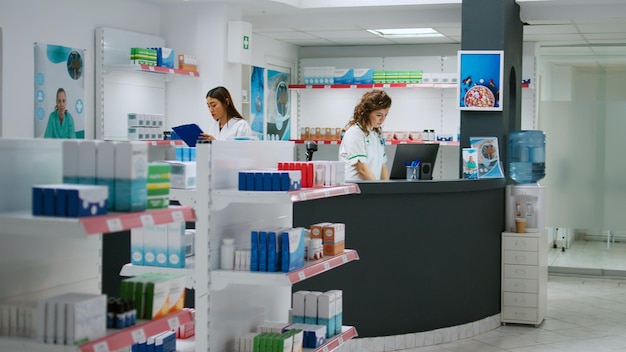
(40, 79)
(40, 113)
(79, 106)
(40, 96)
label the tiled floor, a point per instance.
(585, 313)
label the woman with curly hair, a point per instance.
(362, 146)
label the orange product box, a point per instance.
(334, 233)
(331, 249)
(188, 67)
(317, 230)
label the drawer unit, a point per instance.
(524, 278)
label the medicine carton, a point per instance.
(338, 310)
(158, 185)
(183, 174)
(310, 307)
(326, 312)
(136, 246)
(87, 162)
(176, 247)
(105, 169)
(131, 169)
(317, 230)
(70, 161)
(292, 249)
(298, 306)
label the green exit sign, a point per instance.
(246, 42)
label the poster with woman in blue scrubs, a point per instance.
(59, 92)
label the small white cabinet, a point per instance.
(524, 278)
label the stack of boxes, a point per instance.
(319, 309)
(163, 245)
(145, 126)
(158, 185)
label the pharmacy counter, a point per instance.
(429, 253)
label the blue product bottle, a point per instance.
(527, 156)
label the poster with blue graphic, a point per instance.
(59, 92)
(278, 106)
(257, 99)
(480, 80)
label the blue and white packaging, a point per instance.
(298, 299)
(291, 180)
(182, 174)
(254, 250)
(176, 245)
(326, 312)
(338, 310)
(87, 162)
(273, 250)
(292, 249)
(363, 76)
(70, 161)
(105, 168)
(310, 307)
(69, 200)
(149, 247)
(131, 172)
(343, 76)
(262, 250)
(136, 246)
(158, 239)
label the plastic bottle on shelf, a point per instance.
(227, 254)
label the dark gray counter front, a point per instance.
(429, 253)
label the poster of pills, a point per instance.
(480, 80)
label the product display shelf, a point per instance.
(153, 69)
(347, 333)
(127, 337)
(222, 278)
(223, 197)
(24, 223)
(230, 304)
(388, 142)
(166, 143)
(373, 85)
(134, 270)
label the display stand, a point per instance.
(231, 303)
(45, 256)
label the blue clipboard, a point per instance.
(188, 133)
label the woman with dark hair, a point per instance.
(362, 146)
(228, 121)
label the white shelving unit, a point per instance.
(231, 303)
(44, 256)
(117, 80)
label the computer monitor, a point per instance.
(406, 153)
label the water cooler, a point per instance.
(526, 198)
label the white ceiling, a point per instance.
(590, 32)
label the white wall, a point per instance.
(199, 29)
(69, 23)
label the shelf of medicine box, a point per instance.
(129, 270)
(225, 196)
(186, 197)
(24, 223)
(223, 278)
(347, 333)
(127, 337)
(155, 69)
(388, 142)
(115, 340)
(373, 85)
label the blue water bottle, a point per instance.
(527, 156)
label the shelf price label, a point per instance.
(147, 220)
(114, 225)
(139, 335)
(101, 347)
(326, 266)
(344, 258)
(178, 216)
(173, 323)
(340, 339)
(301, 275)
(326, 349)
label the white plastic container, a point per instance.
(227, 254)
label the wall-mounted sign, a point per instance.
(480, 80)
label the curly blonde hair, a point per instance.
(370, 101)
